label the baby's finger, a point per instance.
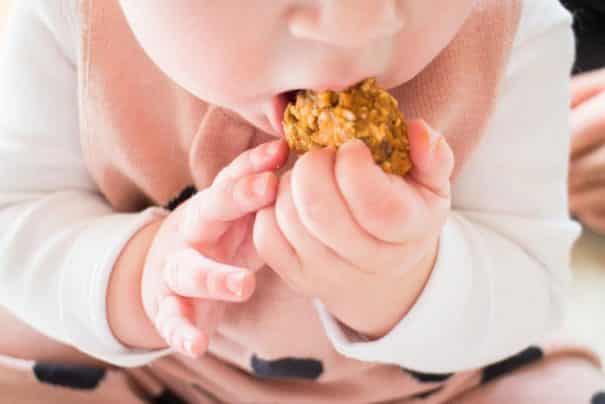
(594, 220)
(585, 184)
(587, 85)
(266, 157)
(588, 125)
(588, 169)
(432, 157)
(173, 322)
(590, 199)
(316, 216)
(190, 274)
(311, 250)
(275, 249)
(244, 186)
(209, 213)
(386, 206)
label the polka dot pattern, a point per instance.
(168, 397)
(428, 377)
(499, 369)
(71, 376)
(287, 368)
(185, 194)
(598, 398)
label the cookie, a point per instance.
(365, 111)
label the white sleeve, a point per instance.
(502, 273)
(59, 236)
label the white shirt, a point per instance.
(501, 275)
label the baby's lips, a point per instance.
(279, 105)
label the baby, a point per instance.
(154, 222)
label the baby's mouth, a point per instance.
(280, 103)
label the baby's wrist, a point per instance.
(374, 310)
(125, 312)
(401, 296)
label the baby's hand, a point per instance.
(362, 241)
(587, 163)
(203, 253)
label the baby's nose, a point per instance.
(346, 23)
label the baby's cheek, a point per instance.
(196, 45)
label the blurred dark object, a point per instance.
(589, 25)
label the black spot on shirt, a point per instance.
(428, 377)
(598, 398)
(168, 397)
(287, 368)
(72, 376)
(426, 394)
(524, 358)
(185, 194)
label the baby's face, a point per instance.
(246, 55)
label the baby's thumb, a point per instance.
(210, 213)
(432, 157)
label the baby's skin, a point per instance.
(354, 232)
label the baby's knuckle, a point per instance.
(218, 191)
(381, 211)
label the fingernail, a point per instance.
(259, 185)
(235, 283)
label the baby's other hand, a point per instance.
(203, 254)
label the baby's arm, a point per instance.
(175, 276)
(502, 269)
(59, 237)
(75, 270)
